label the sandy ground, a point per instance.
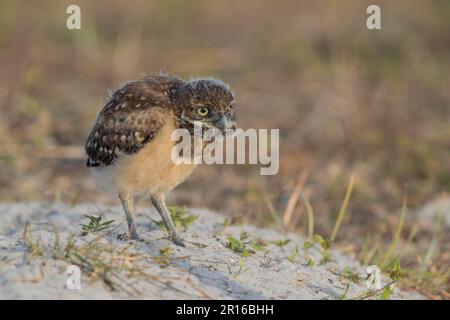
(36, 268)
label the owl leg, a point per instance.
(127, 200)
(160, 205)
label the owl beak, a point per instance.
(222, 122)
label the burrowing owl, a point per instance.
(130, 144)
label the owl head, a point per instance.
(209, 101)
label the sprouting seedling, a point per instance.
(244, 246)
(244, 235)
(293, 255)
(164, 257)
(258, 244)
(34, 247)
(239, 247)
(351, 275)
(308, 244)
(311, 262)
(70, 246)
(95, 225)
(281, 243)
(386, 294)
(180, 217)
(326, 246)
(396, 272)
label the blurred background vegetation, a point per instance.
(347, 100)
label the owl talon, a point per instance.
(135, 237)
(126, 237)
(177, 240)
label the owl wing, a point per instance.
(131, 118)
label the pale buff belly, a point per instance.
(150, 170)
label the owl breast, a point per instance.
(149, 170)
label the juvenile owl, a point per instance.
(130, 144)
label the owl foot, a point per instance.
(177, 240)
(135, 236)
(125, 237)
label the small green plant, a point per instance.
(386, 294)
(326, 257)
(244, 235)
(164, 257)
(244, 246)
(395, 271)
(351, 275)
(239, 247)
(70, 246)
(326, 246)
(180, 217)
(34, 247)
(293, 255)
(95, 225)
(258, 244)
(281, 243)
(311, 262)
(308, 244)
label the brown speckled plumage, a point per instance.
(130, 142)
(129, 120)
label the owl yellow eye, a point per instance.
(202, 111)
